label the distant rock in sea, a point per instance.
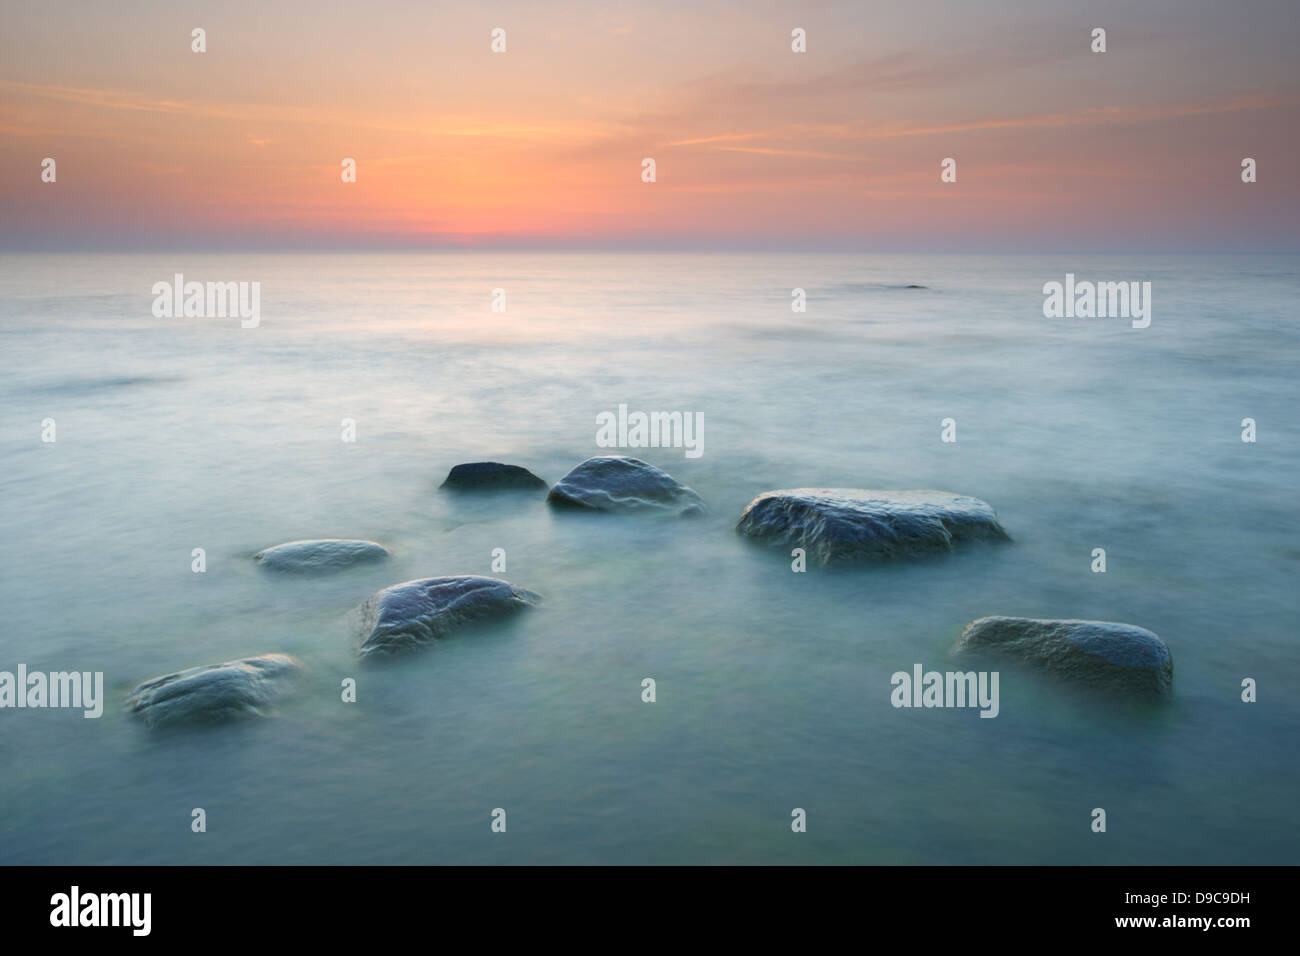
(620, 484)
(1099, 654)
(215, 693)
(491, 476)
(320, 557)
(414, 613)
(915, 287)
(847, 524)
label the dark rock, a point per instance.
(491, 476)
(1098, 654)
(846, 524)
(408, 615)
(214, 693)
(620, 484)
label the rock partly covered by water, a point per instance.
(491, 476)
(618, 483)
(1100, 654)
(408, 615)
(845, 524)
(214, 693)
(319, 557)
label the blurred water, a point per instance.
(773, 687)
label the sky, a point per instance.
(755, 146)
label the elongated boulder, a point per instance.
(414, 613)
(617, 483)
(320, 557)
(214, 693)
(1098, 654)
(847, 524)
(491, 476)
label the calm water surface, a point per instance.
(773, 687)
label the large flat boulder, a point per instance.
(215, 693)
(847, 524)
(1100, 654)
(616, 483)
(491, 476)
(323, 556)
(408, 615)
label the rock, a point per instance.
(320, 557)
(914, 287)
(213, 693)
(845, 524)
(491, 476)
(408, 615)
(618, 483)
(1099, 654)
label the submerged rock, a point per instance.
(618, 483)
(1099, 654)
(491, 476)
(318, 557)
(408, 615)
(845, 524)
(213, 693)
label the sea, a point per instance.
(147, 459)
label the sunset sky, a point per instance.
(756, 147)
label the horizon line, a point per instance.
(628, 250)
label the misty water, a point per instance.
(773, 687)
